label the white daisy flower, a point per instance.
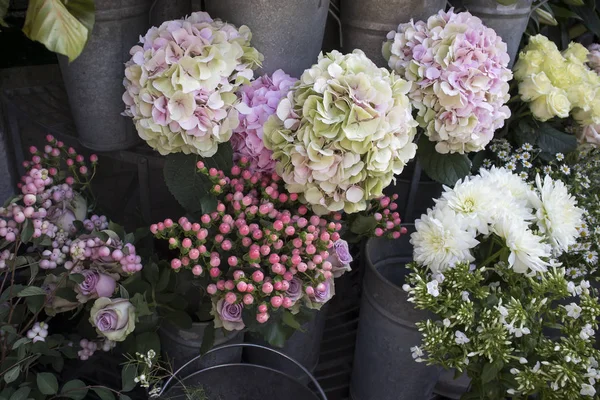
(560, 156)
(591, 257)
(565, 169)
(547, 169)
(527, 147)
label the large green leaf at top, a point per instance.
(443, 168)
(187, 185)
(63, 29)
(3, 11)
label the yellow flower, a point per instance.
(534, 86)
(554, 104)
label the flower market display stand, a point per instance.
(384, 368)
(303, 346)
(289, 33)
(94, 81)
(365, 23)
(182, 345)
(509, 22)
(166, 10)
(238, 381)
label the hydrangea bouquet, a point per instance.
(56, 258)
(181, 83)
(458, 74)
(487, 265)
(262, 256)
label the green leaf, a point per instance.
(140, 304)
(3, 10)
(32, 291)
(35, 303)
(589, 17)
(189, 186)
(103, 393)
(12, 374)
(77, 278)
(289, 320)
(47, 383)
(151, 273)
(276, 335)
(27, 231)
(20, 342)
(123, 292)
(490, 371)
(553, 141)
(101, 235)
(66, 293)
(124, 397)
(51, 23)
(128, 374)
(477, 161)
(75, 389)
(208, 203)
(164, 278)
(21, 394)
(116, 228)
(363, 224)
(208, 338)
(443, 168)
(58, 363)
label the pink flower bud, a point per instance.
(317, 259)
(396, 235)
(378, 216)
(211, 289)
(215, 261)
(310, 291)
(262, 308)
(154, 229)
(221, 284)
(262, 317)
(229, 285)
(186, 243)
(288, 276)
(175, 263)
(248, 299)
(287, 302)
(267, 288)
(241, 286)
(276, 301)
(250, 288)
(327, 266)
(215, 272)
(258, 276)
(197, 270)
(378, 232)
(254, 254)
(226, 245)
(278, 286)
(311, 249)
(265, 250)
(321, 287)
(230, 298)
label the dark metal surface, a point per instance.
(252, 381)
(383, 366)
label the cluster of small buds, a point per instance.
(388, 219)
(89, 347)
(51, 158)
(38, 332)
(96, 222)
(95, 250)
(256, 225)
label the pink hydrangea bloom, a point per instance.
(261, 97)
(459, 73)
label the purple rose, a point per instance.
(341, 258)
(228, 316)
(295, 292)
(113, 318)
(323, 297)
(95, 282)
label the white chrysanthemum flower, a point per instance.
(557, 213)
(503, 181)
(527, 250)
(441, 240)
(473, 200)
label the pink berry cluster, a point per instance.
(55, 155)
(262, 250)
(96, 222)
(89, 347)
(388, 219)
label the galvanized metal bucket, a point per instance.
(383, 365)
(94, 80)
(303, 346)
(289, 33)
(180, 346)
(365, 23)
(509, 22)
(167, 10)
(237, 381)
(415, 191)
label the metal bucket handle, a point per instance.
(230, 346)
